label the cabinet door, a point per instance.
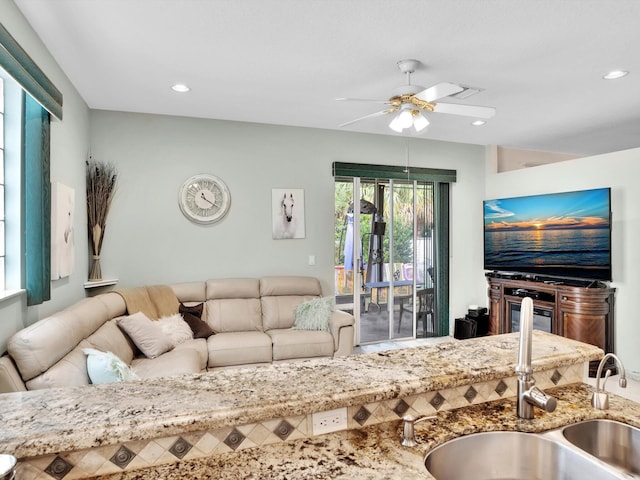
(585, 328)
(585, 315)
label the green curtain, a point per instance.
(442, 232)
(37, 201)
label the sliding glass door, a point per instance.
(384, 257)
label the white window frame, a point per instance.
(3, 250)
(12, 133)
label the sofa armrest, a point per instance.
(340, 319)
(10, 379)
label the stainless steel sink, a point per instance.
(512, 456)
(612, 442)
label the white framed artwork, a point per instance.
(287, 205)
(62, 241)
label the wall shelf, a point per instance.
(100, 283)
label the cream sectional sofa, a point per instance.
(252, 320)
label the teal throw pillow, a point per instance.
(314, 314)
(105, 367)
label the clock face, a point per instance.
(204, 199)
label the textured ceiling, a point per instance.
(285, 62)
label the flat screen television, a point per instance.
(566, 235)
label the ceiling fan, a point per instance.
(410, 101)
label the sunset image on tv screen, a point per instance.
(556, 234)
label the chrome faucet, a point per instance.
(600, 400)
(529, 395)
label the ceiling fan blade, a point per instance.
(371, 115)
(467, 110)
(438, 91)
(361, 100)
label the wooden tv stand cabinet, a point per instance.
(577, 311)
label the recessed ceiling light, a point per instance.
(477, 123)
(180, 88)
(612, 75)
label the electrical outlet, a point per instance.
(329, 421)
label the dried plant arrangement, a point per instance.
(101, 186)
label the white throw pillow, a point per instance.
(314, 314)
(146, 334)
(176, 329)
(105, 367)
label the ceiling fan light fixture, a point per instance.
(396, 125)
(420, 122)
(408, 117)
(405, 117)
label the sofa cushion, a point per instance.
(234, 315)
(190, 292)
(146, 334)
(70, 371)
(314, 314)
(279, 311)
(238, 348)
(109, 338)
(176, 362)
(200, 346)
(290, 285)
(174, 327)
(233, 288)
(233, 305)
(105, 367)
(289, 343)
(38, 347)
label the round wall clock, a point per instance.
(204, 199)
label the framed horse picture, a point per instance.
(287, 206)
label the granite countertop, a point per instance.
(49, 421)
(375, 453)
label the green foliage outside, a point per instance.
(403, 218)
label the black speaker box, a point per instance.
(482, 324)
(465, 328)
(477, 313)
